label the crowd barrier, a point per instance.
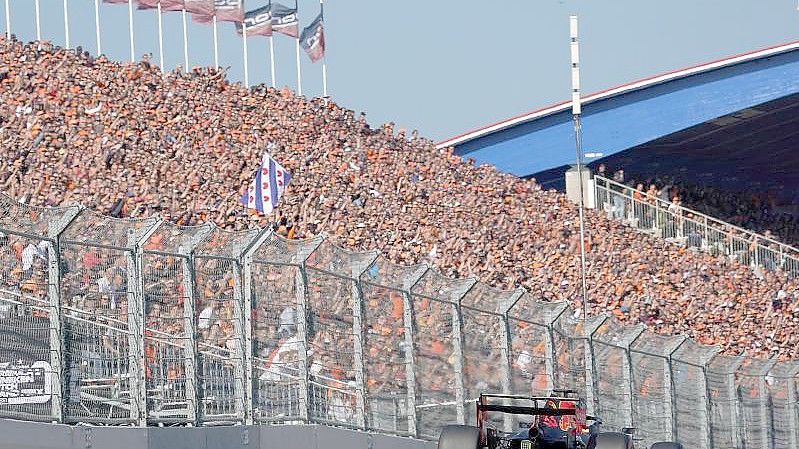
(140, 322)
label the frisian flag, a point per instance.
(267, 187)
(202, 11)
(259, 22)
(284, 20)
(166, 5)
(313, 39)
(229, 10)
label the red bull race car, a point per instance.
(559, 421)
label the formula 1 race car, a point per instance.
(559, 421)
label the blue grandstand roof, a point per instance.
(619, 91)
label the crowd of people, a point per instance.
(760, 212)
(130, 141)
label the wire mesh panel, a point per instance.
(726, 424)
(167, 288)
(437, 357)
(782, 384)
(387, 357)
(332, 296)
(98, 286)
(220, 325)
(532, 357)
(753, 402)
(26, 377)
(30, 330)
(651, 386)
(277, 342)
(486, 363)
(612, 379)
(691, 398)
(573, 355)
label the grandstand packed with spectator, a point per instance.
(130, 141)
(755, 211)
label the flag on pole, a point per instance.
(284, 20)
(313, 39)
(202, 10)
(172, 5)
(259, 22)
(147, 4)
(229, 10)
(268, 186)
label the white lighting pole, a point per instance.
(97, 26)
(576, 111)
(38, 23)
(272, 60)
(130, 28)
(216, 44)
(66, 25)
(8, 23)
(160, 40)
(185, 44)
(246, 54)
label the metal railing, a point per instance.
(140, 322)
(693, 229)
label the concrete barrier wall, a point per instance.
(30, 435)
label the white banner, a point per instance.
(25, 384)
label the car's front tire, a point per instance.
(459, 437)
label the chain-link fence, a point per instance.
(108, 321)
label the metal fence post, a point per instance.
(591, 388)
(357, 341)
(410, 362)
(552, 356)
(190, 354)
(708, 407)
(55, 313)
(505, 369)
(243, 404)
(673, 388)
(300, 290)
(457, 348)
(136, 322)
(629, 372)
(248, 292)
(190, 329)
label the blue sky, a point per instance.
(445, 66)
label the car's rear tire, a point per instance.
(667, 445)
(612, 440)
(459, 437)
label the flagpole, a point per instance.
(216, 45)
(324, 57)
(576, 111)
(246, 65)
(185, 44)
(272, 59)
(66, 25)
(97, 26)
(130, 27)
(38, 24)
(160, 39)
(299, 70)
(8, 23)
(271, 48)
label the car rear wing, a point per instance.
(530, 405)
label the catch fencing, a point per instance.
(141, 322)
